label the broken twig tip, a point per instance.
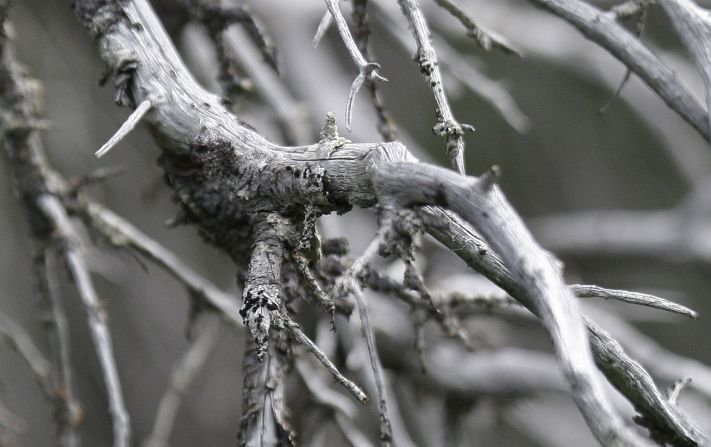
(489, 179)
(125, 128)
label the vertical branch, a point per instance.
(447, 126)
(377, 367)
(67, 412)
(263, 366)
(367, 71)
(97, 319)
(386, 127)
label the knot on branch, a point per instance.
(450, 128)
(260, 308)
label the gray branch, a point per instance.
(261, 176)
(603, 29)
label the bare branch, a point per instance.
(447, 126)
(20, 341)
(330, 367)
(367, 71)
(694, 25)
(486, 39)
(68, 412)
(182, 377)
(642, 299)
(121, 233)
(96, 315)
(625, 374)
(349, 174)
(263, 421)
(133, 119)
(375, 364)
(603, 29)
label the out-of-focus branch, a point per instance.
(68, 413)
(694, 25)
(68, 240)
(486, 39)
(669, 236)
(182, 377)
(121, 233)
(622, 371)
(38, 186)
(20, 341)
(603, 29)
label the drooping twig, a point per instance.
(330, 367)
(182, 377)
(133, 119)
(367, 71)
(486, 39)
(447, 126)
(348, 284)
(639, 8)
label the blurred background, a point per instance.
(536, 116)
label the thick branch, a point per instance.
(255, 175)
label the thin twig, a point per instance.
(642, 299)
(377, 368)
(133, 119)
(367, 71)
(17, 338)
(386, 127)
(486, 39)
(96, 315)
(68, 413)
(447, 126)
(326, 362)
(121, 233)
(184, 374)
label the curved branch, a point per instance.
(603, 29)
(203, 143)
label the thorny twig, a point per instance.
(367, 71)
(386, 126)
(426, 58)
(477, 201)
